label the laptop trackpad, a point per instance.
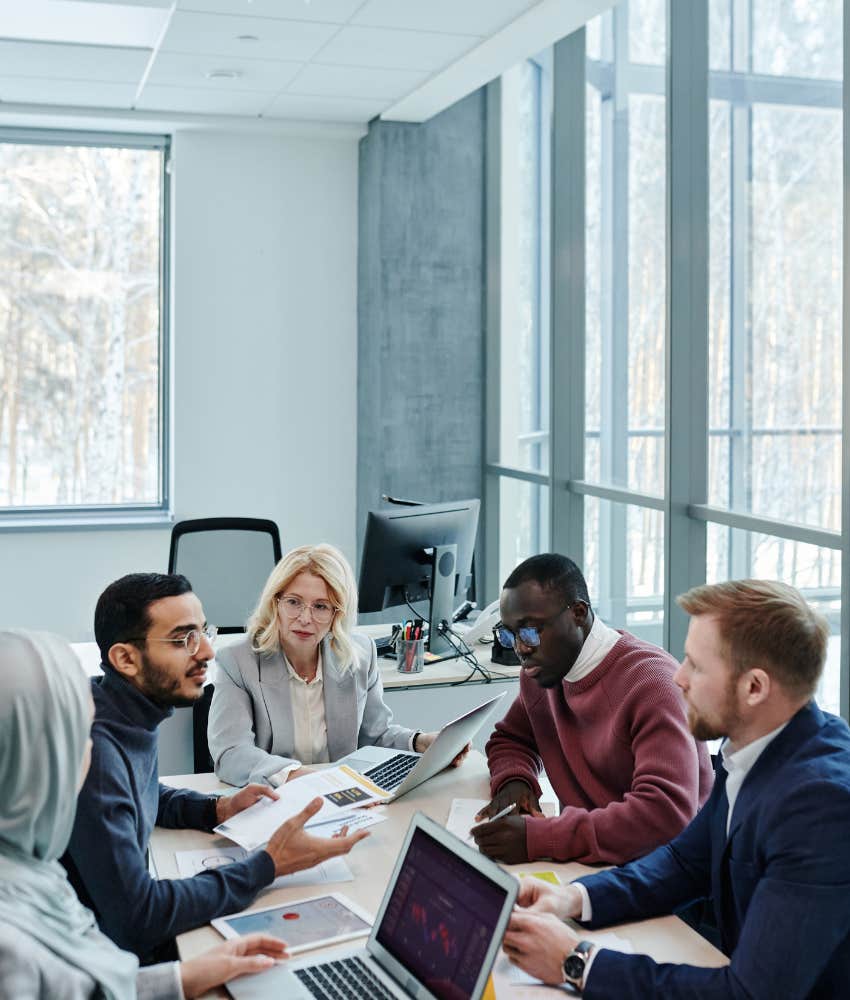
(360, 764)
(274, 984)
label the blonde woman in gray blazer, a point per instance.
(301, 687)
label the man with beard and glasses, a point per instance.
(769, 850)
(155, 645)
(598, 710)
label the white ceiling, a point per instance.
(317, 60)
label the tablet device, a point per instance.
(302, 924)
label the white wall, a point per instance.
(264, 339)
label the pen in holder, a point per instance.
(410, 654)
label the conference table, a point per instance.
(666, 939)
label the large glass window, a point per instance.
(625, 241)
(524, 325)
(753, 288)
(81, 338)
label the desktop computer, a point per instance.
(420, 553)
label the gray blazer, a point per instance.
(250, 727)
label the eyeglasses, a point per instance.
(191, 641)
(528, 635)
(320, 611)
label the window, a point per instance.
(520, 445)
(82, 328)
(705, 348)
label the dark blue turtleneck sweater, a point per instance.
(118, 806)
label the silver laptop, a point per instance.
(398, 771)
(436, 935)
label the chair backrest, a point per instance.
(227, 560)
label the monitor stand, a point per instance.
(443, 559)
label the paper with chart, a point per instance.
(341, 789)
(191, 863)
(356, 819)
(462, 813)
(462, 818)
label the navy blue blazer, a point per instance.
(779, 882)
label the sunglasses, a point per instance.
(528, 635)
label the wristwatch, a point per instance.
(576, 962)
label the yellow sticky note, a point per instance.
(489, 990)
(543, 876)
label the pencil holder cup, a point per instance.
(410, 654)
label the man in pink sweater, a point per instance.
(598, 710)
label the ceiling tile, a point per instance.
(325, 11)
(202, 101)
(472, 17)
(215, 34)
(174, 69)
(72, 62)
(352, 81)
(131, 3)
(393, 49)
(81, 93)
(330, 109)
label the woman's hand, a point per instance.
(238, 957)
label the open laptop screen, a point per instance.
(441, 918)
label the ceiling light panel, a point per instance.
(82, 23)
(325, 11)
(173, 69)
(214, 34)
(323, 109)
(202, 101)
(70, 93)
(472, 17)
(354, 81)
(72, 62)
(391, 49)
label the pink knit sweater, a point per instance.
(617, 749)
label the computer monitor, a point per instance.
(419, 553)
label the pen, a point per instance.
(501, 813)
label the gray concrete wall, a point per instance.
(421, 309)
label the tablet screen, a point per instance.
(305, 924)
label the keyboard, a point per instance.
(392, 772)
(342, 980)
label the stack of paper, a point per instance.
(342, 790)
(191, 863)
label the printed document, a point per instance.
(194, 862)
(341, 788)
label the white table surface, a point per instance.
(666, 939)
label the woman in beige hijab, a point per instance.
(50, 946)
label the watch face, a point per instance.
(574, 967)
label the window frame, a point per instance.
(689, 86)
(83, 516)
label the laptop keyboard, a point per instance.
(392, 772)
(342, 980)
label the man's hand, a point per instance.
(518, 793)
(538, 943)
(238, 957)
(292, 849)
(561, 901)
(229, 805)
(503, 840)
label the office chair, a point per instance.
(227, 560)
